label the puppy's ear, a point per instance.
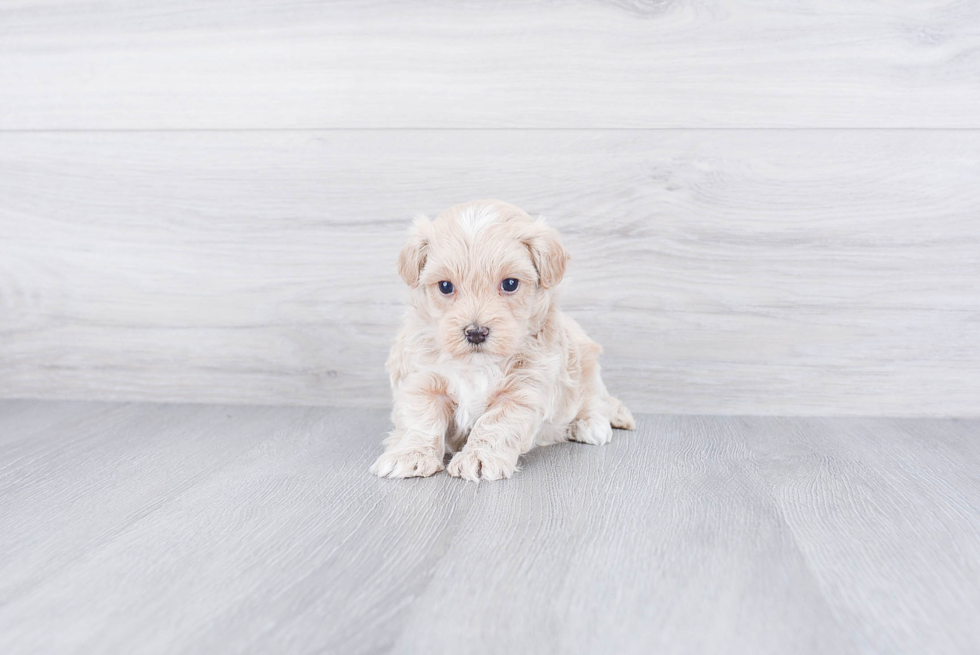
(411, 259)
(547, 254)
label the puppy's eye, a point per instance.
(509, 285)
(446, 287)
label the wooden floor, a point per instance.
(132, 528)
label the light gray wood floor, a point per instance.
(132, 528)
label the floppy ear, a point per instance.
(411, 259)
(547, 254)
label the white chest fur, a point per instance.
(471, 385)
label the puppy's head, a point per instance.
(481, 273)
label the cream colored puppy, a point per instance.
(485, 365)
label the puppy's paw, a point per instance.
(595, 430)
(407, 464)
(621, 417)
(474, 463)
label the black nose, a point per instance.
(476, 334)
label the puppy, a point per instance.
(485, 366)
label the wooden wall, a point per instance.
(773, 207)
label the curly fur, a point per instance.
(534, 381)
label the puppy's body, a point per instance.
(485, 365)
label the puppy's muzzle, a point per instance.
(476, 333)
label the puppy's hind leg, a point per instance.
(600, 412)
(595, 422)
(619, 416)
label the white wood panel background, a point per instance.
(172, 229)
(421, 63)
(730, 271)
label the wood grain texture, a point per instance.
(919, 486)
(623, 63)
(770, 272)
(196, 529)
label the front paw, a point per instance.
(473, 463)
(407, 464)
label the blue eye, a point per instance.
(509, 285)
(446, 287)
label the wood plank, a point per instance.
(196, 528)
(886, 515)
(724, 272)
(292, 64)
(19, 419)
(665, 541)
(95, 477)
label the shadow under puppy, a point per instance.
(485, 365)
